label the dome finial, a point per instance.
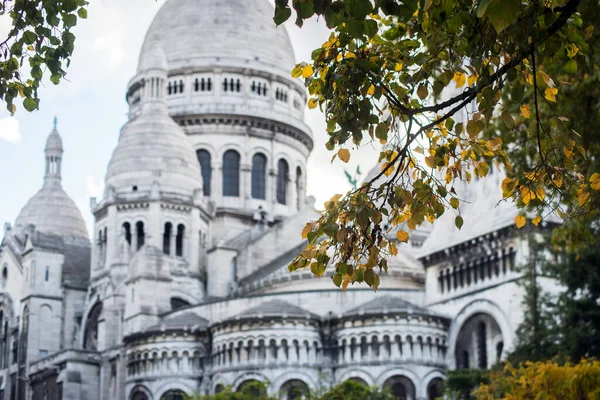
(54, 151)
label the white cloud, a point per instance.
(95, 189)
(10, 130)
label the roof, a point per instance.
(386, 305)
(51, 210)
(76, 252)
(185, 321)
(275, 308)
(204, 33)
(54, 142)
(153, 149)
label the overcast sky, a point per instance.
(91, 109)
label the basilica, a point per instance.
(182, 287)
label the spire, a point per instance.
(53, 151)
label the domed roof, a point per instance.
(151, 149)
(199, 33)
(51, 210)
(276, 308)
(54, 142)
(386, 304)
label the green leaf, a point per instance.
(570, 66)
(422, 92)
(82, 12)
(30, 104)
(282, 14)
(458, 221)
(355, 28)
(501, 13)
(70, 20)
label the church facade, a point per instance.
(183, 287)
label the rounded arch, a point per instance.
(205, 160)
(353, 374)
(401, 387)
(140, 392)
(283, 177)
(294, 375)
(385, 376)
(242, 152)
(171, 385)
(479, 306)
(293, 389)
(174, 394)
(480, 352)
(435, 389)
(250, 376)
(90, 331)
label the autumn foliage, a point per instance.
(544, 380)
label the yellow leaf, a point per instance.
(297, 71)
(454, 202)
(350, 55)
(307, 71)
(550, 94)
(430, 161)
(344, 155)
(583, 195)
(572, 50)
(336, 198)
(595, 181)
(459, 78)
(393, 248)
(540, 193)
(387, 172)
(525, 110)
(568, 152)
(520, 221)
(528, 77)
(536, 221)
(398, 66)
(472, 80)
(402, 236)
(312, 103)
(371, 90)
(307, 228)
(558, 180)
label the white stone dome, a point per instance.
(51, 210)
(208, 33)
(54, 142)
(154, 149)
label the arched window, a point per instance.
(197, 84)
(231, 173)
(174, 395)
(169, 88)
(47, 275)
(180, 86)
(282, 181)
(90, 339)
(127, 232)
(140, 234)
(299, 188)
(435, 389)
(179, 240)
(139, 396)
(294, 389)
(225, 85)
(400, 387)
(238, 86)
(209, 84)
(259, 176)
(205, 169)
(167, 238)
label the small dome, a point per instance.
(54, 142)
(276, 308)
(153, 149)
(51, 210)
(153, 59)
(200, 33)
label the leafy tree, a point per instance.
(429, 79)
(39, 43)
(461, 383)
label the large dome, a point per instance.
(51, 210)
(208, 33)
